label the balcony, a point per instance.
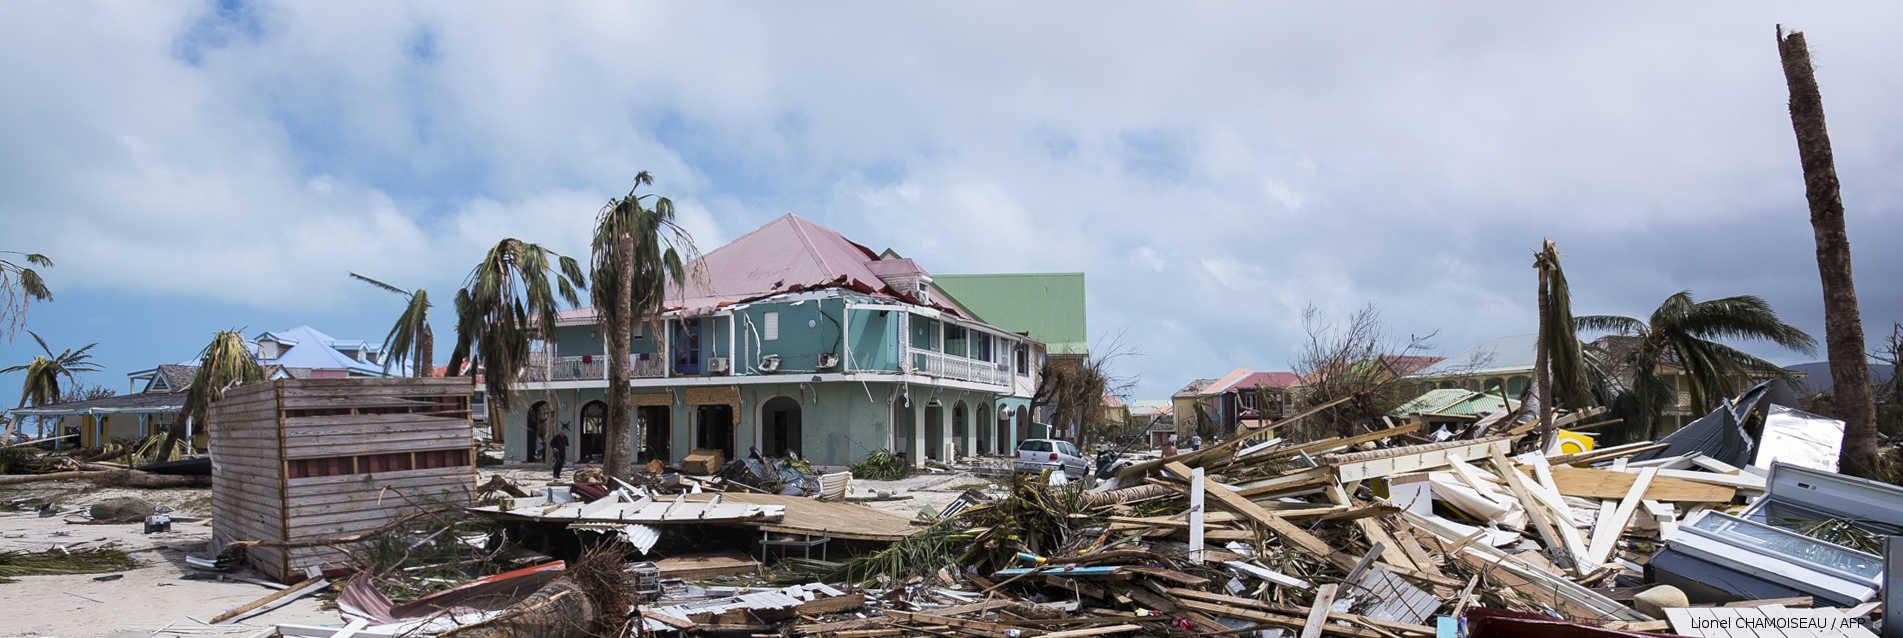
(944, 366)
(588, 368)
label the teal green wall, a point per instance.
(874, 340)
(840, 422)
(924, 334)
(574, 341)
(806, 331)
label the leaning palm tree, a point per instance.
(20, 286)
(1560, 366)
(1685, 332)
(43, 374)
(508, 298)
(224, 363)
(1843, 323)
(411, 338)
(637, 254)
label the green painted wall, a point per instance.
(574, 341)
(840, 422)
(806, 331)
(874, 340)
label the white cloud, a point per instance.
(1264, 159)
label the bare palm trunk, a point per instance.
(1843, 325)
(618, 458)
(425, 358)
(1542, 368)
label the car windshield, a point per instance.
(1035, 446)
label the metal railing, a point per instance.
(588, 368)
(938, 364)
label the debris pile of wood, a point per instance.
(1372, 535)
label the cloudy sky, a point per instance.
(195, 167)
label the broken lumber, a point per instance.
(1609, 484)
(272, 600)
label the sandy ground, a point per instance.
(153, 599)
(150, 600)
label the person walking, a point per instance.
(558, 447)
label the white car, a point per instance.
(1037, 455)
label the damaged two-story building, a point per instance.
(792, 338)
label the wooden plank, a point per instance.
(273, 600)
(1605, 535)
(1535, 511)
(1548, 493)
(1318, 612)
(1251, 603)
(1283, 620)
(1608, 484)
(1743, 481)
(1300, 537)
(1196, 485)
(1094, 631)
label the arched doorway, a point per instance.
(593, 439)
(961, 429)
(1023, 426)
(902, 426)
(779, 426)
(935, 431)
(986, 433)
(713, 428)
(541, 417)
(1002, 441)
(657, 429)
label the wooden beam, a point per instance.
(1274, 619)
(1605, 535)
(1318, 613)
(1228, 498)
(1094, 631)
(272, 600)
(1535, 511)
(1591, 483)
(1251, 603)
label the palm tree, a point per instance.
(20, 286)
(1559, 363)
(41, 385)
(225, 362)
(507, 299)
(411, 338)
(1686, 331)
(1843, 324)
(637, 254)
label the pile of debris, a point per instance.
(1389, 533)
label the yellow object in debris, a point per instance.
(1570, 442)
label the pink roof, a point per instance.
(1264, 380)
(788, 254)
(1406, 364)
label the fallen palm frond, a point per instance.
(85, 561)
(1036, 520)
(1842, 531)
(881, 465)
(921, 553)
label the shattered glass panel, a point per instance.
(1766, 539)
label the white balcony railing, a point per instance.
(588, 367)
(938, 364)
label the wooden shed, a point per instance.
(302, 459)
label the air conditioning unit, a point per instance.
(718, 364)
(828, 361)
(770, 363)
